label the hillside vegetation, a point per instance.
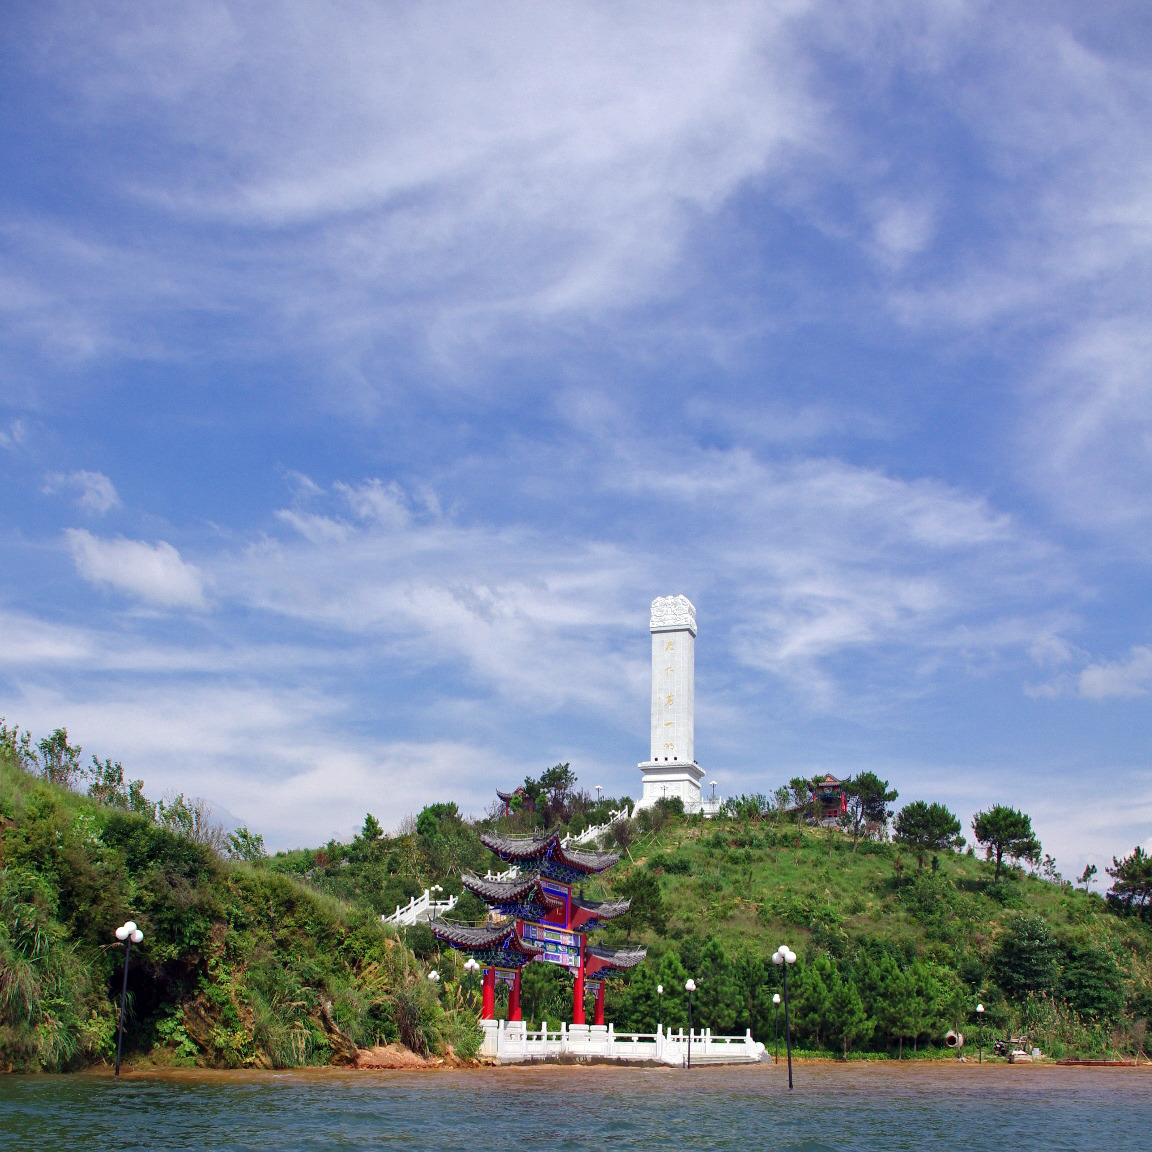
(891, 955)
(281, 960)
(897, 943)
(240, 965)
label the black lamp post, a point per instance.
(690, 987)
(776, 1025)
(980, 1017)
(659, 1007)
(784, 956)
(127, 934)
(471, 966)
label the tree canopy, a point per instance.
(925, 828)
(1004, 832)
(868, 798)
(1132, 882)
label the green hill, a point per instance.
(891, 956)
(282, 960)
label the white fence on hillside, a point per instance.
(420, 909)
(597, 830)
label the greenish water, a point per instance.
(873, 1107)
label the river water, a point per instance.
(859, 1106)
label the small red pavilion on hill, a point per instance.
(537, 916)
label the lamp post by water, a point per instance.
(980, 1017)
(690, 987)
(470, 966)
(659, 1007)
(776, 1025)
(784, 956)
(128, 934)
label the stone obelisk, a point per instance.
(672, 771)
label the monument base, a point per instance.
(671, 779)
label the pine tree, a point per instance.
(847, 1020)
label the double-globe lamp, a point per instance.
(127, 934)
(784, 956)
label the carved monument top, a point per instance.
(673, 614)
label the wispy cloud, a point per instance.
(13, 435)
(92, 491)
(153, 573)
(1121, 678)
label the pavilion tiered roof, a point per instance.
(524, 897)
(497, 946)
(615, 959)
(547, 855)
(588, 915)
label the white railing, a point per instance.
(512, 873)
(510, 1042)
(420, 908)
(597, 829)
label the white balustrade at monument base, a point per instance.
(511, 1042)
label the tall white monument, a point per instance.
(672, 769)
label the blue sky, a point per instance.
(366, 369)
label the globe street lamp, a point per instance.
(689, 987)
(599, 789)
(785, 956)
(127, 934)
(659, 1007)
(470, 966)
(776, 1025)
(980, 1017)
(434, 977)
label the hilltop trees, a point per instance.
(924, 828)
(1004, 831)
(802, 794)
(1132, 882)
(868, 798)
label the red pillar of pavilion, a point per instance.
(488, 1009)
(514, 999)
(578, 990)
(598, 1018)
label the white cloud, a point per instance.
(154, 573)
(440, 174)
(14, 435)
(1123, 678)
(1090, 437)
(93, 491)
(39, 643)
(276, 756)
(372, 500)
(795, 564)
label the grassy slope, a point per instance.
(239, 966)
(752, 886)
(731, 891)
(286, 963)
